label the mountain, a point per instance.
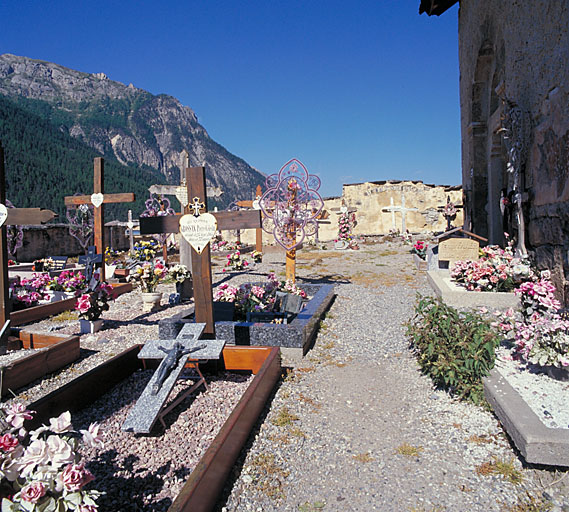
(134, 126)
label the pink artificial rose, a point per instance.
(33, 492)
(92, 436)
(36, 454)
(61, 424)
(59, 451)
(16, 414)
(8, 442)
(83, 304)
(75, 476)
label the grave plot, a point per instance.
(53, 352)
(200, 490)
(297, 334)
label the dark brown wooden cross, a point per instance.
(12, 216)
(201, 263)
(98, 186)
(252, 204)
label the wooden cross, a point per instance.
(255, 204)
(98, 199)
(401, 209)
(201, 262)
(12, 216)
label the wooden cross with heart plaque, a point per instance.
(98, 199)
(12, 216)
(198, 228)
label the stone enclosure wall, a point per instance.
(518, 51)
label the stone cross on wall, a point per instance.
(98, 199)
(12, 216)
(402, 209)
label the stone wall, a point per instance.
(369, 199)
(520, 51)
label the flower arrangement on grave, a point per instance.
(257, 256)
(67, 281)
(43, 265)
(12, 262)
(346, 223)
(179, 273)
(234, 262)
(224, 245)
(420, 249)
(497, 270)
(249, 298)
(145, 250)
(539, 333)
(148, 275)
(91, 305)
(406, 237)
(42, 468)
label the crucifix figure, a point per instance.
(402, 209)
(201, 260)
(449, 211)
(175, 354)
(12, 216)
(98, 199)
(89, 260)
(255, 205)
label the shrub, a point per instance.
(455, 349)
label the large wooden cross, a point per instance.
(12, 216)
(201, 262)
(255, 204)
(98, 199)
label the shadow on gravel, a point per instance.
(325, 279)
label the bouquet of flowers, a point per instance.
(91, 305)
(148, 275)
(257, 256)
(234, 262)
(43, 265)
(42, 468)
(145, 251)
(420, 249)
(179, 273)
(67, 281)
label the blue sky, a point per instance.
(358, 91)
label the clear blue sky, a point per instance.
(358, 91)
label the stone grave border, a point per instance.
(468, 299)
(42, 311)
(296, 335)
(537, 443)
(420, 263)
(61, 350)
(205, 484)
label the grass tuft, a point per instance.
(409, 450)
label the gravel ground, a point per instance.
(354, 425)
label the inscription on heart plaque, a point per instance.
(198, 231)
(97, 199)
(3, 214)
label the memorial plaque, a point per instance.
(97, 199)
(3, 214)
(198, 231)
(458, 249)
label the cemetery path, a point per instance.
(354, 426)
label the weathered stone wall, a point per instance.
(370, 198)
(55, 240)
(521, 49)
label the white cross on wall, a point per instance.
(401, 209)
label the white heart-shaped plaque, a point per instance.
(3, 214)
(198, 231)
(97, 199)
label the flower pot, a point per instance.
(151, 301)
(185, 289)
(90, 326)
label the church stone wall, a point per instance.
(521, 50)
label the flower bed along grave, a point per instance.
(205, 483)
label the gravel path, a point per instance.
(354, 425)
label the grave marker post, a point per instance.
(99, 199)
(12, 216)
(255, 204)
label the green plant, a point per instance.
(456, 349)
(284, 418)
(501, 467)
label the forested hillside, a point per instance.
(43, 165)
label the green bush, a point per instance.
(455, 349)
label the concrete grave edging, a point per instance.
(468, 299)
(537, 443)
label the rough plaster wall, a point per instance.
(532, 38)
(369, 199)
